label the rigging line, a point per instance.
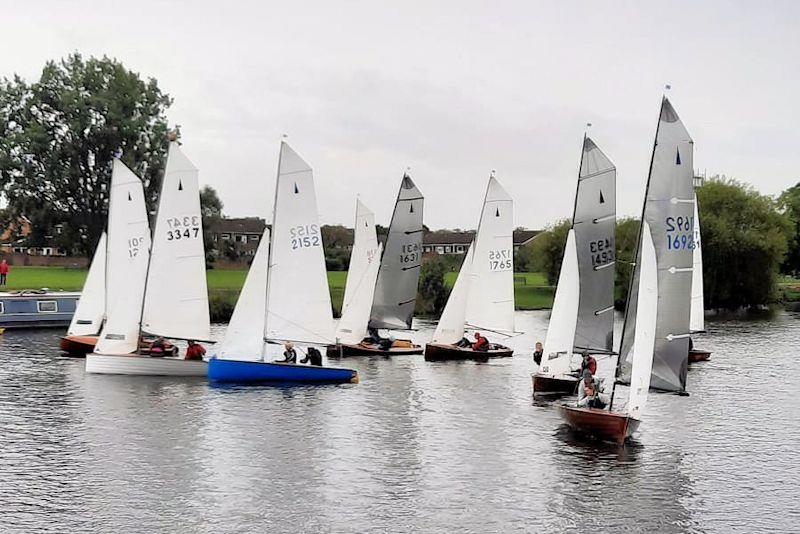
(293, 172)
(299, 326)
(409, 199)
(598, 173)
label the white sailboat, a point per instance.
(582, 318)
(172, 293)
(84, 330)
(696, 316)
(483, 295)
(291, 274)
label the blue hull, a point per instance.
(262, 372)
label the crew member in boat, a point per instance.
(161, 347)
(589, 392)
(195, 351)
(464, 343)
(481, 343)
(313, 357)
(588, 364)
(537, 353)
(289, 354)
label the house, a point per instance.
(243, 233)
(457, 241)
(15, 239)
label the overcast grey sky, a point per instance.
(450, 89)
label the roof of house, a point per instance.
(242, 225)
(449, 237)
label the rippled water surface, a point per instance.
(416, 447)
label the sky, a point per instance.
(450, 89)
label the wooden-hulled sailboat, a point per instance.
(172, 293)
(395, 293)
(84, 330)
(482, 298)
(582, 318)
(696, 319)
(669, 213)
(285, 296)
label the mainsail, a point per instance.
(396, 289)
(696, 319)
(582, 317)
(361, 278)
(669, 213)
(298, 299)
(176, 295)
(126, 262)
(91, 310)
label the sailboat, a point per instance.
(359, 290)
(655, 335)
(285, 296)
(395, 293)
(166, 293)
(84, 330)
(582, 318)
(483, 295)
(696, 318)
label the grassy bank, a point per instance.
(531, 291)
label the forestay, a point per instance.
(298, 300)
(697, 320)
(582, 317)
(490, 304)
(396, 289)
(361, 278)
(176, 295)
(244, 337)
(450, 328)
(669, 213)
(126, 262)
(91, 310)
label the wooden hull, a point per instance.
(78, 345)
(553, 386)
(364, 349)
(244, 372)
(697, 355)
(438, 352)
(134, 364)
(601, 424)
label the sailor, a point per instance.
(481, 343)
(161, 347)
(589, 392)
(537, 353)
(588, 363)
(314, 357)
(289, 354)
(464, 343)
(195, 351)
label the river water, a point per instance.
(416, 447)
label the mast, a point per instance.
(269, 255)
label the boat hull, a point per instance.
(696, 355)
(553, 386)
(78, 345)
(243, 372)
(602, 424)
(363, 349)
(135, 364)
(437, 352)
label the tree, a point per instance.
(59, 135)
(211, 211)
(626, 239)
(789, 202)
(547, 250)
(431, 295)
(744, 238)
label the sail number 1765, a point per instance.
(501, 260)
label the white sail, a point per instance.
(561, 330)
(176, 296)
(126, 262)
(352, 327)
(644, 335)
(365, 245)
(450, 328)
(244, 337)
(490, 304)
(298, 299)
(696, 319)
(91, 309)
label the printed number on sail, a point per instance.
(680, 233)
(134, 244)
(187, 227)
(305, 236)
(602, 251)
(500, 260)
(410, 253)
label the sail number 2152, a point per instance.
(305, 236)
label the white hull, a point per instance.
(133, 364)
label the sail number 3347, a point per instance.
(187, 227)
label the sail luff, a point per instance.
(697, 319)
(91, 309)
(451, 325)
(558, 343)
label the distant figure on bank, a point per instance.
(289, 354)
(589, 392)
(588, 364)
(537, 353)
(4, 268)
(481, 343)
(314, 357)
(195, 351)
